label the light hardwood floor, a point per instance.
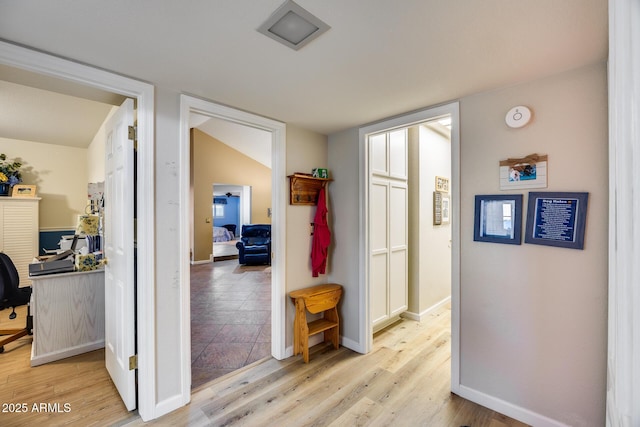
(404, 381)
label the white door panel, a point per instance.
(119, 252)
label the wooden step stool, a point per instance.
(316, 299)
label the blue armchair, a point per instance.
(254, 246)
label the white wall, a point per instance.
(429, 244)
(167, 266)
(533, 318)
(345, 216)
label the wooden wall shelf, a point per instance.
(305, 188)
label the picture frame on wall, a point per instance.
(557, 219)
(524, 173)
(446, 209)
(437, 208)
(498, 219)
(442, 184)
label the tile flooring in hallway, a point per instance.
(230, 318)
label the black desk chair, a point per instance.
(12, 296)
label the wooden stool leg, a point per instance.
(299, 324)
(333, 334)
(305, 343)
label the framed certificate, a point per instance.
(556, 219)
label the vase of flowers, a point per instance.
(9, 174)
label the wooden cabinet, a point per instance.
(19, 230)
(388, 222)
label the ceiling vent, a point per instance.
(293, 26)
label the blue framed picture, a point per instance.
(498, 219)
(556, 219)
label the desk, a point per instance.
(68, 315)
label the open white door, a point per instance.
(119, 253)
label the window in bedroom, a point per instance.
(218, 211)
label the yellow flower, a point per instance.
(3, 177)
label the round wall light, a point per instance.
(518, 116)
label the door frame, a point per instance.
(190, 104)
(49, 65)
(407, 120)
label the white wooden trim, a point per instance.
(42, 63)
(419, 317)
(623, 370)
(69, 352)
(507, 408)
(365, 331)
(279, 186)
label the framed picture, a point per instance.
(23, 190)
(437, 208)
(498, 219)
(442, 184)
(526, 172)
(556, 219)
(446, 209)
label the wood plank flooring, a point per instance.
(404, 381)
(76, 391)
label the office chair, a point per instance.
(12, 296)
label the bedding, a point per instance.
(221, 234)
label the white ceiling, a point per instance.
(379, 59)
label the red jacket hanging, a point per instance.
(321, 237)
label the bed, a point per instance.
(221, 234)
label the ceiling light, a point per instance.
(293, 26)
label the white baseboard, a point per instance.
(509, 409)
(63, 354)
(419, 317)
(351, 345)
(202, 261)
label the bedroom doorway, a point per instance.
(266, 207)
(231, 209)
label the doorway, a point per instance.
(407, 121)
(277, 130)
(53, 69)
(230, 300)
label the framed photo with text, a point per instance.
(442, 184)
(498, 219)
(556, 219)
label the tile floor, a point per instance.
(230, 318)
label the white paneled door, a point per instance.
(388, 219)
(119, 253)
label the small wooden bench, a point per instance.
(316, 299)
